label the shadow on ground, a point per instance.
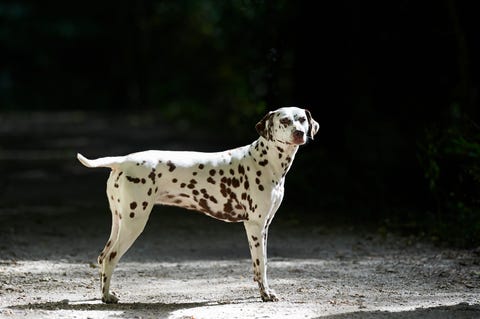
(464, 311)
(128, 310)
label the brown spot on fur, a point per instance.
(159, 175)
(132, 214)
(133, 205)
(149, 192)
(260, 187)
(210, 180)
(232, 172)
(259, 173)
(174, 180)
(227, 207)
(213, 199)
(201, 166)
(115, 185)
(178, 201)
(112, 255)
(223, 190)
(144, 205)
(258, 262)
(203, 203)
(212, 172)
(184, 195)
(220, 172)
(195, 192)
(182, 185)
(263, 163)
(246, 184)
(143, 181)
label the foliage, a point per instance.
(451, 162)
(208, 61)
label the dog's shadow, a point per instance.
(158, 308)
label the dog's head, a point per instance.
(288, 125)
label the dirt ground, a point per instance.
(54, 222)
(186, 265)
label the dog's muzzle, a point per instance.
(298, 137)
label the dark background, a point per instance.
(393, 84)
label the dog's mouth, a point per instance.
(298, 138)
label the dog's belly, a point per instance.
(207, 204)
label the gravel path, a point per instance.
(186, 265)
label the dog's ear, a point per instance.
(264, 126)
(313, 126)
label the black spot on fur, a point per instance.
(263, 163)
(134, 180)
(171, 166)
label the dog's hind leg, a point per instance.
(128, 232)
(114, 203)
(129, 219)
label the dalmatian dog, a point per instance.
(244, 184)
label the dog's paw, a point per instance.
(269, 295)
(110, 298)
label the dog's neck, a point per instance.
(276, 157)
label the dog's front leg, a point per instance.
(257, 239)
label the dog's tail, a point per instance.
(99, 162)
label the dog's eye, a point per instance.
(285, 121)
(302, 119)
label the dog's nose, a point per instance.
(298, 134)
